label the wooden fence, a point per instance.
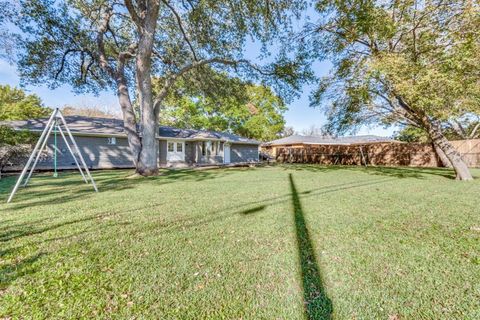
(386, 154)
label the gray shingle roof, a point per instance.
(171, 132)
(299, 139)
(108, 126)
(76, 124)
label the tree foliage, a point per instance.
(124, 45)
(402, 62)
(243, 108)
(15, 104)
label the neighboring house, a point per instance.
(299, 141)
(103, 144)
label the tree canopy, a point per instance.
(100, 44)
(398, 62)
(15, 104)
(235, 106)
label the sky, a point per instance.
(300, 115)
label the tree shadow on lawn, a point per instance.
(316, 303)
(61, 188)
(19, 267)
(8, 233)
(9, 272)
(397, 172)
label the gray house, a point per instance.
(103, 144)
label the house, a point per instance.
(301, 142)
(104, 144)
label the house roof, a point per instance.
(327, 140)
(96, 126)
(190, 134)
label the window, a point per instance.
(170, 147)
(221, 148)
(179, 147)
(204, 148)
(112, 140)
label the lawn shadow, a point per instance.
(316, 303)
(9, 272)
(396, 172)
(70, 186)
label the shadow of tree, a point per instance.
(9, 272)
(317, 305)
(396, 172)
(110, 180)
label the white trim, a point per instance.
(175, 155)
(226, 146)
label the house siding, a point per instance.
(162, 152)
(243, 153)
(98, 154)
(95, 150)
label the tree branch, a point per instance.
(102, 29)
(133, 13)
(62, 64)
(180, 26)
(170, 81)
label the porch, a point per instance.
(178, 152)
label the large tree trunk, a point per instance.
(129, 121)
(461, 170)
(443, 157)
(148, 161)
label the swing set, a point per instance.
(55, 123)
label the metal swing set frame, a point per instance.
(54, 124)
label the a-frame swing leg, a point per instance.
(78, 151)
(30, 159)
(71, 152)
(38, 155)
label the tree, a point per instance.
(412, 134)
(287, 132)
(313, 130)
(399, 62)
(86, 112)
(123, 45)
(16, 105)
(235, 106)
(14, 146)
(465, 127)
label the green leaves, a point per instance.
(16, 105)
(224, 103)
(387, 52)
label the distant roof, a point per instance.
(110, 126)
(299, 139)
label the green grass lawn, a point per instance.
(285, 242)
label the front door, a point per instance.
(226, 153)
(175, 151)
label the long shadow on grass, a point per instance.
(9, 272)
(396, 172)
(60, 190)
(316, 303)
